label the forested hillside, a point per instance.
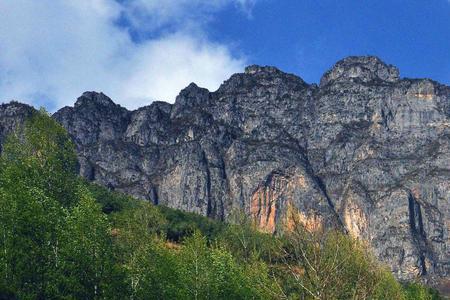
(64, 238)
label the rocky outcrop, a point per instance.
(12, 116)
(365, 151)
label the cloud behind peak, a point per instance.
(52, 50)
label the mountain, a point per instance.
(365, 151)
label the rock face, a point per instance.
(12, 116)
(365, 151)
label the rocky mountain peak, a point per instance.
(94, 98)
(189, 98)
(360, 69)
(261, 77)
(255, 69)
(12, 116)
(14, 108)
(191, 91)
(267, 74)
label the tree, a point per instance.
(213, 273)
(245, 242)
(29, 229)
(86, 262)
(332, 265)
(41, 155)
(149, 266)
(30, 213)
(153, 272)
(416, 290)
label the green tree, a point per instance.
(140, 245)
(213, 273)
(233, 280)
(245, 242)
(86, 260)
(182, 224)
(32, 187)
(332, 265)
(29, 240)
(195, 267)
(110, 201)
(152, 271)
(418, 291)
(44, 157)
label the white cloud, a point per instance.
(159, 13)
(175, 61)
(53, 50)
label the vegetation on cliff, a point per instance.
(64, 238)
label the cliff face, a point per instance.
(365, 150)
(12, 116)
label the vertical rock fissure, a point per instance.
(320, 184)
(224, 169)
(417, 231)
(209, 209)
(412, 213)
(268, 202)
(154, 196)
(386, 118)
(415, 217)
(223, 202)
(323, 188)
(269, 187)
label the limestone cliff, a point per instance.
(365, 150)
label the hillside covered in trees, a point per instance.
(64, 238)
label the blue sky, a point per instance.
(138, 51)
(306, 37)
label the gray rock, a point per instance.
(12, 116)
(365, 151)
(362, 69)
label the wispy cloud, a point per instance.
(53, 50)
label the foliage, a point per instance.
(418, 291)
(146, 261)
(29, 235)
(42, 156)
(213, 273)
(244, 240)
(37, 179)
(331, 265)
(110, 201)
(182, 224)
(85, 255)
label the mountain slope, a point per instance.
(365, 151)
